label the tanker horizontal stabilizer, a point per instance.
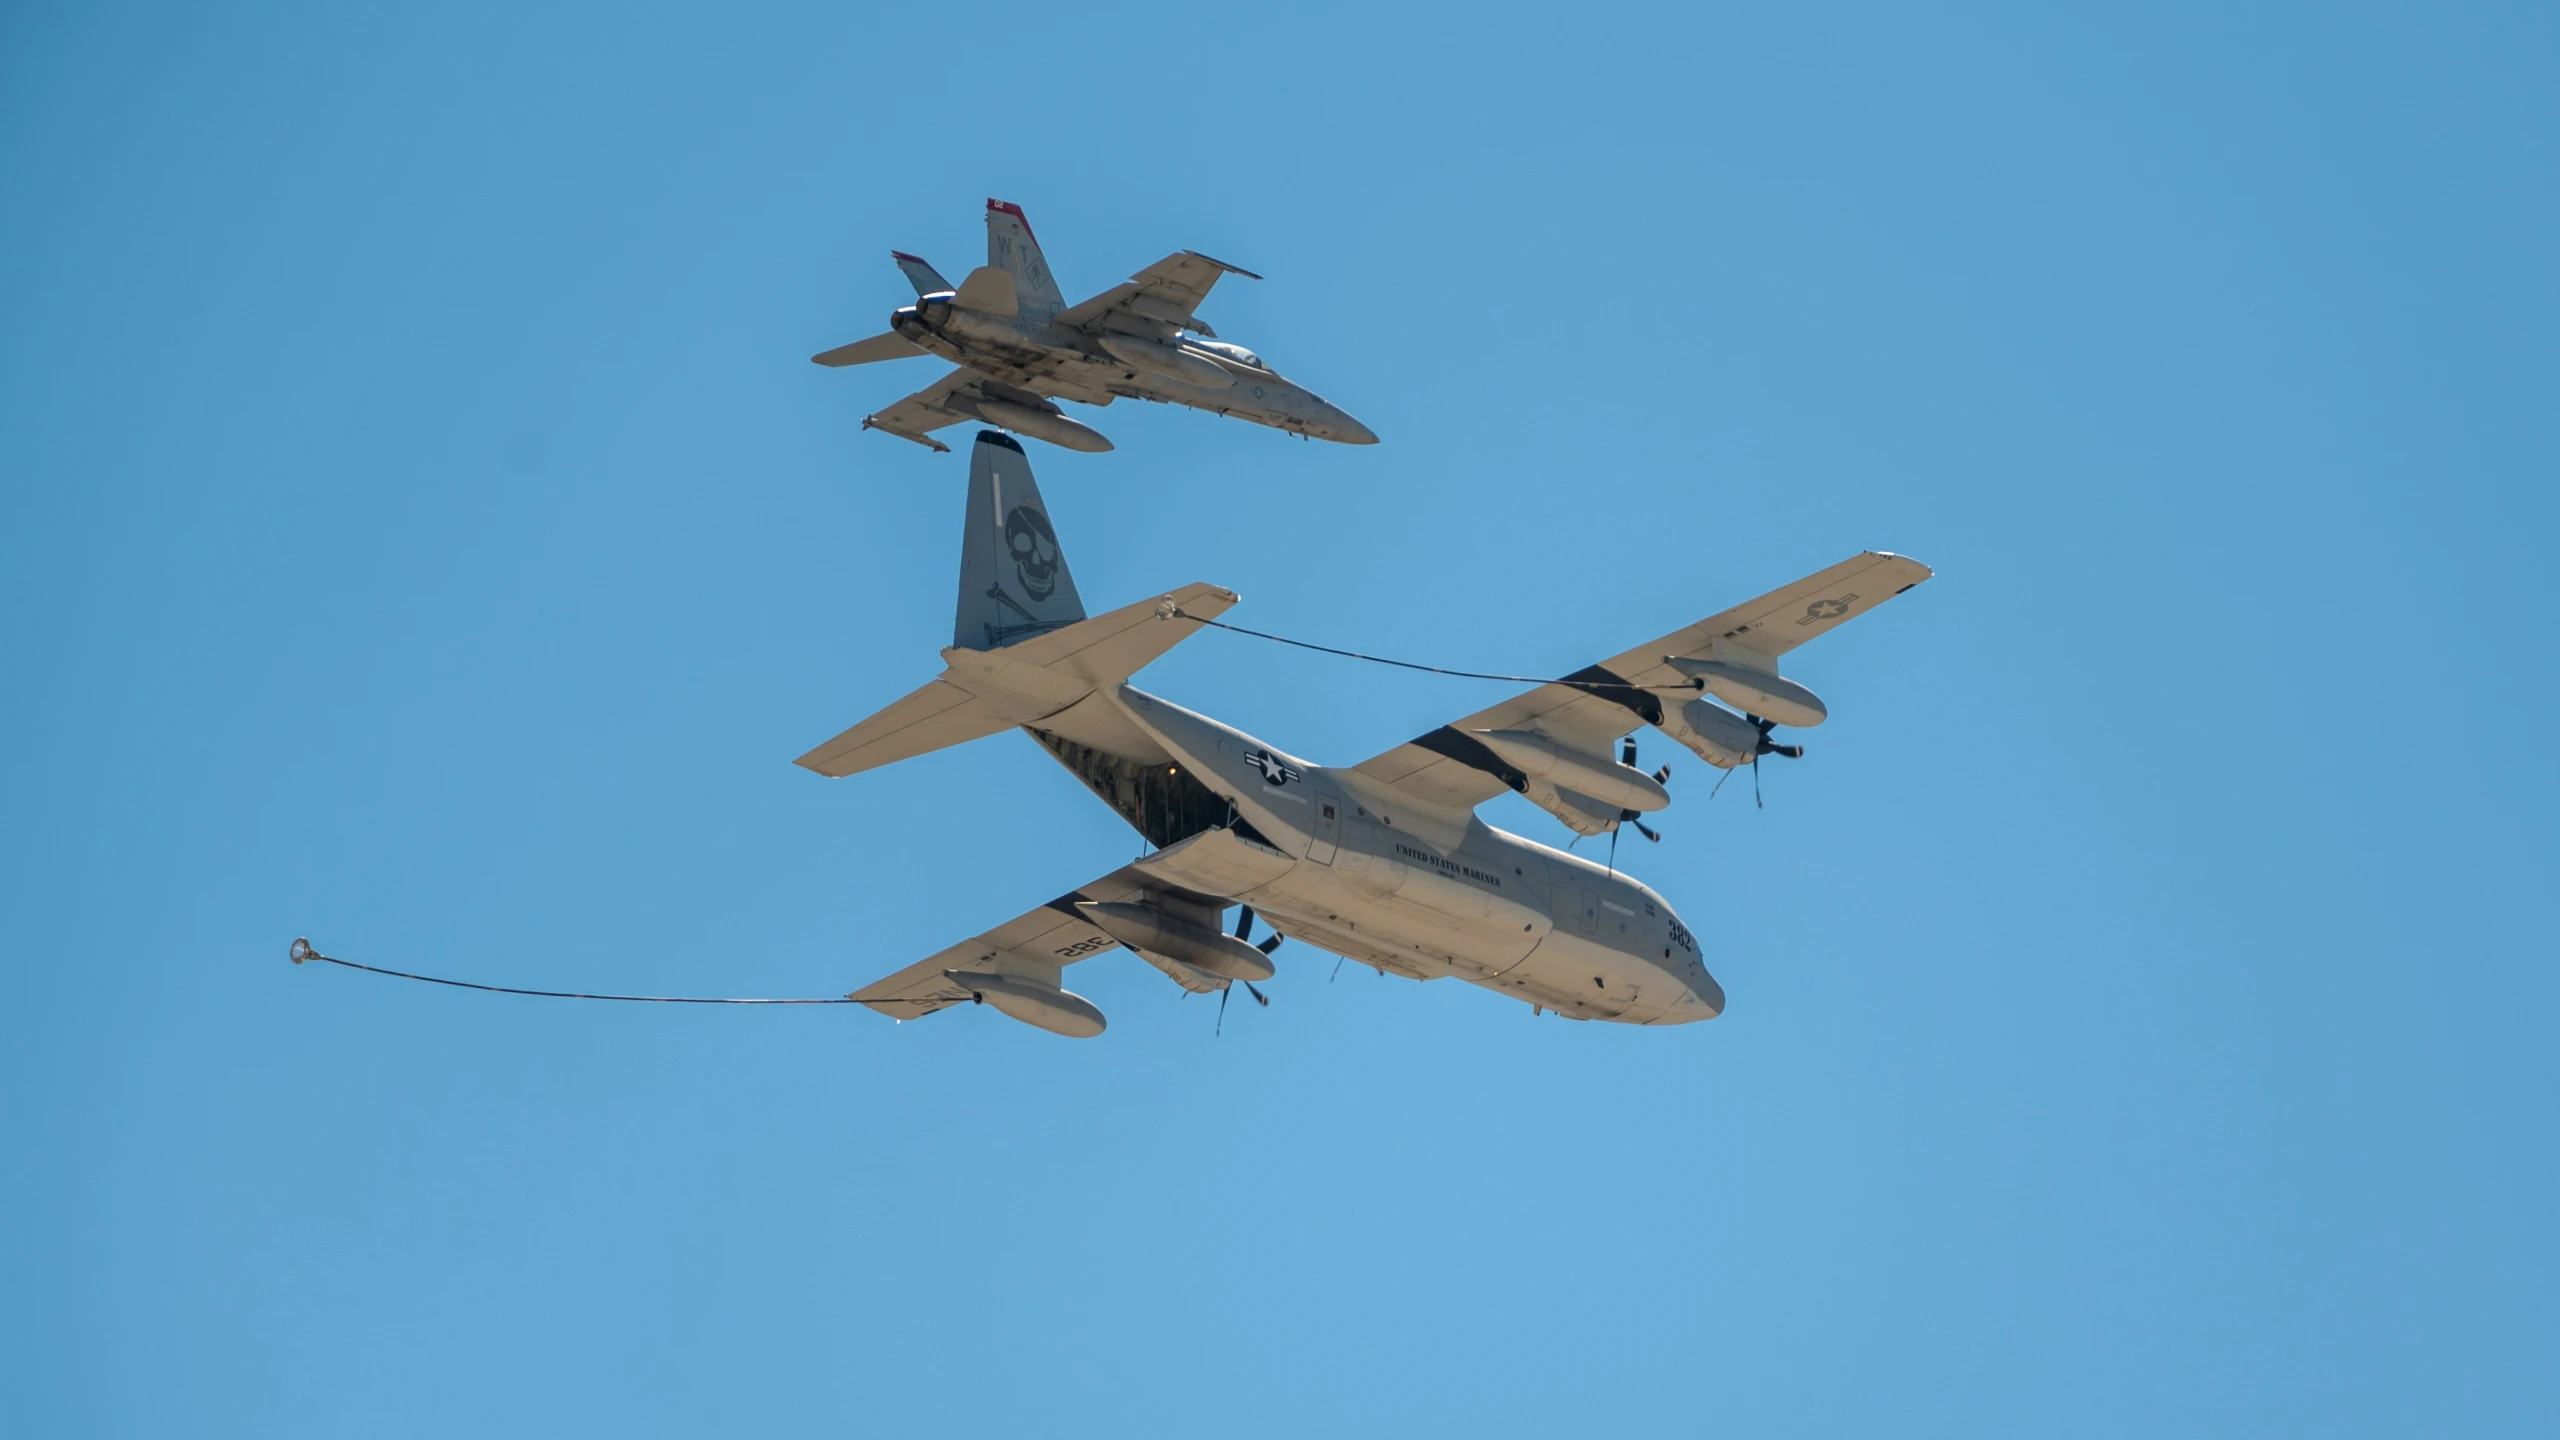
(1024, 684)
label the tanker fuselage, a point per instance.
(1376, 877)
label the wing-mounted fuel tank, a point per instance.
(1755, 691)
(1058, 1011)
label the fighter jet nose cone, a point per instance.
(1352, 432)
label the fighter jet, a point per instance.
(1018, 343)
(1385, 862)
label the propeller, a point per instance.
(1244, 932)
(1767, 746)
(1627, 757)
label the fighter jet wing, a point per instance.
(915, 417)
(1035, 946)
(1180, 281)
(1448, 768)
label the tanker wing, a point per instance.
(1451, 768)
(1025, 958)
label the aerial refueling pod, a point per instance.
(1039, 424)
(1060, 1012)
(1165, 362)
(1540, 758)
(1758, 692)
(1159, 932)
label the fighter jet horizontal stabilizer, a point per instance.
(889, 346)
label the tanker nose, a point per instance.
(1707, 995)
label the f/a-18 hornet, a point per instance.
(1383, 862)
(1018, 343)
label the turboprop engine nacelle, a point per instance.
(1540, 758)
(1144, 927)
(1760, 692)
(1715, 734)
(1060, 1012)
(1165, 362)
(1041, 424)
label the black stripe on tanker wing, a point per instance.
(1467, 750)
(1605, 684)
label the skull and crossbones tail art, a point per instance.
(1034, 547)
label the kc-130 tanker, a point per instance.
(1019, 343)
(1383, 862)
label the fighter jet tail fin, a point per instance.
(1011, 248)
(1014, 581)
(926, 279)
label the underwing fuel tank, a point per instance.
(1144, 927)
(1040, 424)
(1060, 1012)
(1166, 362)
(1603, 779)
(1757, 691)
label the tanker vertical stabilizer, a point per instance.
(1013, 577)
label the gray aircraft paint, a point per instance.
(1021, 348)
(1014, 581)
(1384, 863)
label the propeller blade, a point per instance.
(1663, 775)
(1648, 832)
(1259, 998)
(1271, 942)
(1719, 784)
(1755, 784)
(1244, 922)
(1221, 1027)
(888, 346)
(1627, 752)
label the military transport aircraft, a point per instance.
(1019, 342)
(1383, 862)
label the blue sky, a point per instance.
(420, 528)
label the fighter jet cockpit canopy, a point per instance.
(1237, 353)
